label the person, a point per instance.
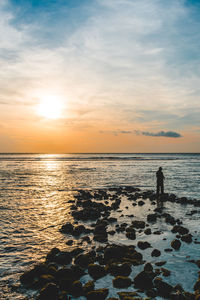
(160, 181)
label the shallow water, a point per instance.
(34, 194)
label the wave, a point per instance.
(94, 157)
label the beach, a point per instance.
(126, 216)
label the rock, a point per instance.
(155, 253)
(165, 272)
(63, 258)
(197, 285)
(128, 295)
(115, 269)
(99, 294)
(88, 213)
(143, 245)
(144, 280)
(83, 260)
(114, 252)
(78, 230)
(96, 271)
(69, 242)
(67, 228)
(152, 217)
(164, 289)
(43, 280)
(168, 250)
(187, 238)
(141, 203)
(176, 244)
(77, 289)
(131, 235)
(52, 254)
(76, 251)
(160, 263)
(147, 231)
(138, 224)
(180, 229)
(49, 292)
(148, 267)
(31, 277)
(121, 282)
(88, 287)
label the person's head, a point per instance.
(160, 169)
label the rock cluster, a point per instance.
(60, 276)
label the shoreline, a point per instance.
(115, 255)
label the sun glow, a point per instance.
(50, 107)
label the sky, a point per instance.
(99, 76)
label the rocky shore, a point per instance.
(131, 268)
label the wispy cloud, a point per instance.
(134, 64)
(170, 134)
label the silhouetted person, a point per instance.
(160, 181)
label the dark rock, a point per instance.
(138, 224)
(83, 260)
(180, 229)
(52, 254)
(96, 271)
(69, 242)
(152, 217)
(67, 228)
(77, 289)
(155, 253)
(115, 269)
(197, 285)
(148, 267)
(63, 258)
(143, 245)
(144, 280)
(131, 235)
(176, 244)
(141, 203)
(168, 250)
(187, 238)
(114, 252)
(165, 272)
(147, 231)
(76, 251)
(43, 280)
(49, 292)
(128, 296)
(160, 263)
(164, 289)
(99, 294)
(88, 287)
(121, 282)
(78, 230)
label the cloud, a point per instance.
(113, 56)
(170, 134)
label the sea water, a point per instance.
(35, 190)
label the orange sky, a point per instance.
(99, 76)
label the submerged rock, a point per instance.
(144, 280)
(122, 282)
(176, 244)
(96, 271)
(143, 245)
(49, 292)
(99, 294)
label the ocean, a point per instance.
(35, 190)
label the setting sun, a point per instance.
(50, 107)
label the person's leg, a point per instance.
(157, 189)
(162, 188)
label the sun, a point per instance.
(50, 107)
